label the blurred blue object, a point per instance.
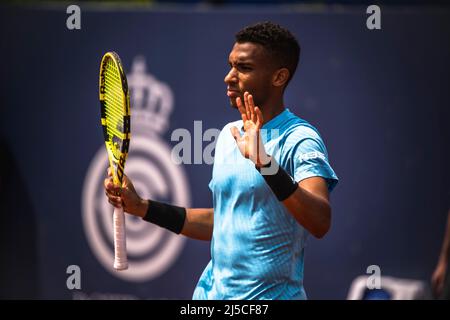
(390, 288)
(376, 294)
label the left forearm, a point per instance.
(307, 200)
(311, 211)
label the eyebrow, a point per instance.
(244, 61)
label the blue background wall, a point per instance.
(379, 98)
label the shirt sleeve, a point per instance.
(311, 160)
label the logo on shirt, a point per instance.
(312, 155)
(151, 249)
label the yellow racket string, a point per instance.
(114, 108)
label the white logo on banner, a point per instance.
(151, 250)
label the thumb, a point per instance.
(125, 181)
(127, 186)
(235, 133)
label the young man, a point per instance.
(270, 184)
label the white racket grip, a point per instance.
(120, 243)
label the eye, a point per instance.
(245, 68)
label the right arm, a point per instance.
(198, 223)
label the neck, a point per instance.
(271, 109)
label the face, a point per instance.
(250, 70)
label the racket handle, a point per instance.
(120, 244)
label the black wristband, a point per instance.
(165, 215)
(281, 183)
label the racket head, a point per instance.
(115, 113)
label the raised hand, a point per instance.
(250, 144)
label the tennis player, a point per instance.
(270, 184)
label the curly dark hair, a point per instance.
(278, 41)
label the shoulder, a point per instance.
(300, 131)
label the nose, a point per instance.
(231, 76)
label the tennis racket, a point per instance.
(115, 114)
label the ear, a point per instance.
(280, 77)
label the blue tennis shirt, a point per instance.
(257, 246)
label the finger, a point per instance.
(113, 197)
(112, 188)
(113, 194)
(124, 181)
(235, 133)
(117, 204)
(251, 107)
(109, 185)
(110, 173)
(259, 118)
(241, 109)
(247, 111)
(117, 190)
(109, 194)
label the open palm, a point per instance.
(250, 144)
